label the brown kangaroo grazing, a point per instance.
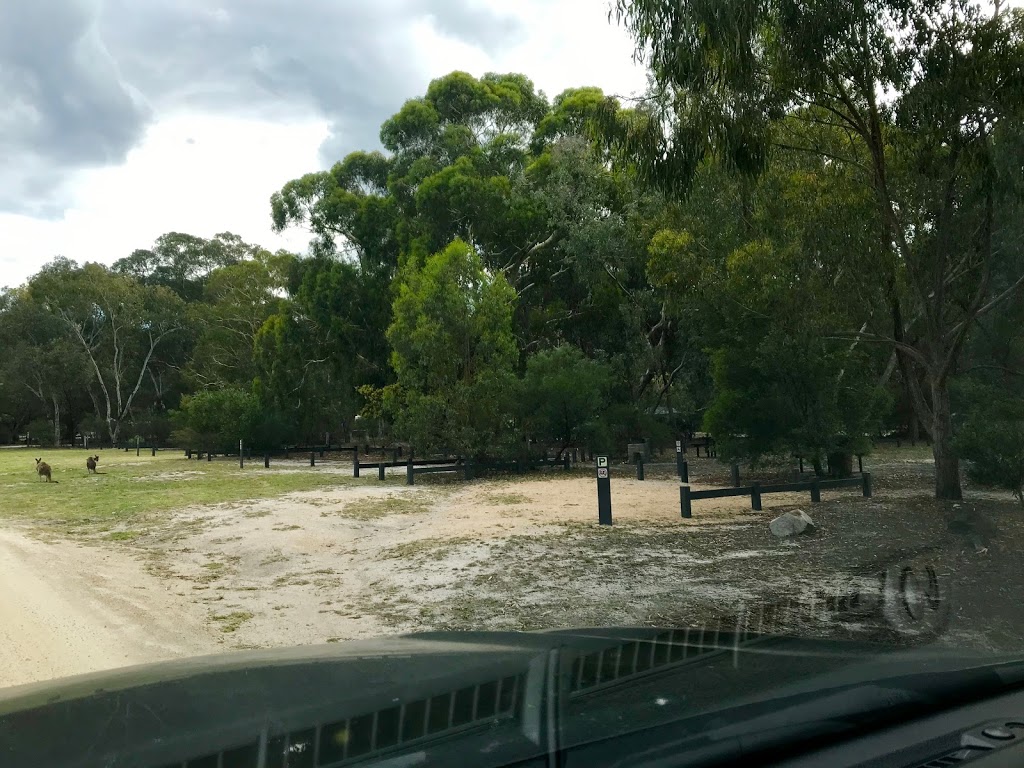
(90, 463)
(43, 469)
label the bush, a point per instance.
(991, 439)
(40, 431)
(219, 418)
(563, 397)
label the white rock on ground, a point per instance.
(793, 523)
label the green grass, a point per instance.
(124, 535)
(230, 622)
(436, 548)
(131, 487)
(372, 509)
(506, 499)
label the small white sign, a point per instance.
(602, 473)
(679, 446)
(602, 461)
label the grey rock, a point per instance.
(794, 523)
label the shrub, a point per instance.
(991, 440)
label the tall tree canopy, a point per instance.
(807, 231)
(920, 96)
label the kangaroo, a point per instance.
(90, 463)
(43, 469)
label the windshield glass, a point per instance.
(338, 321)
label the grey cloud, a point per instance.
(86, 77)
(65, 104)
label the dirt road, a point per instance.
(67, 609)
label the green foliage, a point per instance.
(117, 324)
(509, 268)
(454, 355)
(991, 438)
(216, 418)
(40, 431)
(914, 102)
(183, 262)
(564, 396)
(789, 396)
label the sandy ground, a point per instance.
(68, 609)
(368, 559)
(312, 567)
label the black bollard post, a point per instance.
(685, 509)
(735, 475)
(380, 471)
(312, 458)
(604, 492)
(860, 463)
(685, 474)
(755, 497)
(815, 491)
(209, 455)
(266, 461)
(153, 451)
(866, 478)
(355, 461)
(241, 456)
(639, 468)
(801, 460)
(188, 453)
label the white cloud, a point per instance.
(572, 44)
(204, 172)
(199, 174)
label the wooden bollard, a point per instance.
(685, 508)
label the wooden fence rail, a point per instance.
(756, 490)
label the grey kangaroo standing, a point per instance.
(43, 469)
(90, 464)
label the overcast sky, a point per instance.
(125, 119)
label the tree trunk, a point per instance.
(840, 464)
(947, 465)
(56, 422)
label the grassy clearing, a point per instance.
(373, 509)
(436, 548)
(131, 486)
(230, 622)
(506, 499)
